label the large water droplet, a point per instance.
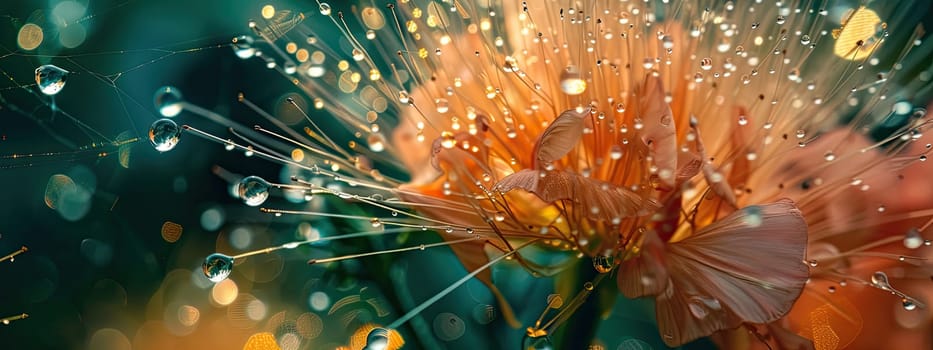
(243, 46)
(571, 82)
(217, 267)
(753, 217)
(908, 304)
(164, 135)
(536, 343)
(50, 79)
(378, 339)
(253, 190)
(325, 9)
(701, 306)
(602, 264)
(880, 279)
(913, 240)
(167, 100)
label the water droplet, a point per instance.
(805, 39)
(442, 105)
(378, 338)
(667, 42)
(615, 152)
(801, 134)
(499, 216)
(813, 262)
(253, 190)
(217, 267)
(536, 343)
(449, 229)
(448, 326)
(753, 217)
(913, 240)
(325, 9)
(781, 19)
(168, 101)
(829, 156)
(375, 222)
(448, 140)
(50, 79)
(243, 46)
(602, 264)
(880, 279)
(832, 289)
(908, 304)
(403, 97)
(571, 82)
(588, 286)
(706, 63)
(164, 135)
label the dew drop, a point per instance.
(217, 267)
(753, 216)
(442, 105)
(571, 82)
(602, 264)
(168, 101)
(536, 343)
(706, 63)
(50, 79)
(880, 279)
(499, 216)
(164, 135)
(243, 46)
(403, 97)
(588, 286)
(377, 339)
(253, 190)
(908, 304)
(913, 240)
(325, 9)
(805, 39)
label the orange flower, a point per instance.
(717, 154)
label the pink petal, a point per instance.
(660, 133)
(717, 181)
(746, 267)
(647, 274)
(559, 138)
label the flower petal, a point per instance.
(598, 200)
(560, 137)
(660, 133)
(746, 267)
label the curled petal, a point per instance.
(560, 137)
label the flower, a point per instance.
(663, 141)
(753, 168)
